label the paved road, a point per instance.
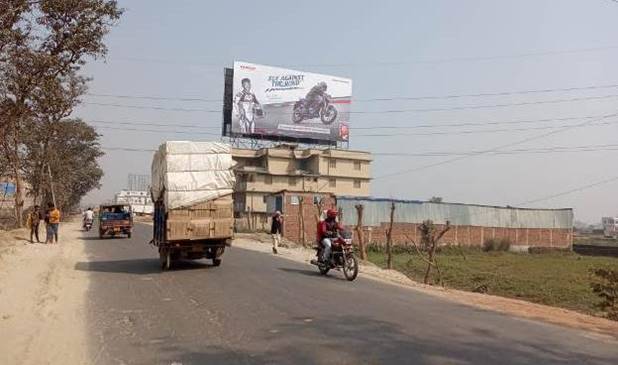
(259, 309)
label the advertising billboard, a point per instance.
(277, 103)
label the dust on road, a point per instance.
(42, 299)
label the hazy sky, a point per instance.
(390, 49)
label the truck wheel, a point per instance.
(216, 262)
(129, 235)
(165, 258)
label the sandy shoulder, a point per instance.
(602, 328)
(42, 299)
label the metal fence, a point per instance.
(378, 211)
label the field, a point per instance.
(559, 279)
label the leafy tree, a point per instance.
(43, 45)
(435, 199)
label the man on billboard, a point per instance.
(246, 107)
(316, 95)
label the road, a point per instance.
(259, 309)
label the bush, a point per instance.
(494, 244)
(605, 285)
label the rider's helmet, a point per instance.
(323, 85)
(331, 213)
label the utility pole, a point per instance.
(51, 185)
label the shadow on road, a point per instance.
(332, 275)
(96, 238)
(137, 266)
(370, 341)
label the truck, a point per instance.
(191, 189)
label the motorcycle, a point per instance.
(88, 224)
(304, 110)
(342, 256)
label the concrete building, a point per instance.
(264, 172)
(140, 201)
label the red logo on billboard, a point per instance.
(344, 132)
(245, 67)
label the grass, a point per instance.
(559, 279)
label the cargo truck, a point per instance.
(193, 207)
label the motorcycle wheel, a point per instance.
(350, 268)
(297, 115)
(324, 269)
(329, 115)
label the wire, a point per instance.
(375, 135)
(540, 150)
(525, 140)
(426, 97)
(419, 110)
(578, 189)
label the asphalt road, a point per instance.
(260, 309)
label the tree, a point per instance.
(435, 199)
(69, 149)
(430, 239)
(43, 45)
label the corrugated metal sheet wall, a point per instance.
(377, 211)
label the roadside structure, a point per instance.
(265, 172)
(140, 201)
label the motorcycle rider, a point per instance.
(316, 95)
(246, 104)
(88, 216)
(328, 230)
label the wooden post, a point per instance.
(359, 231)
(389, 238)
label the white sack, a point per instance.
(188, 173)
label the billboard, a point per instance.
(276, 103)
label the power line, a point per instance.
(418, 110)
(525, 140)
(540, 150)
(393, 63)
(577, 189)
(395, 98)
(375, 135)
(379, 127)
(475, 131)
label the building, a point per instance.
(266, 171)
(471, 224)
(139, 201)
(138, 182)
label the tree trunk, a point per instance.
(359, 232)
(389, 239)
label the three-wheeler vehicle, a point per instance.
(115, 220)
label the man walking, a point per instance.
(52, 218)
(34, 218)
(275, 230)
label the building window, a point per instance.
(292, 181)
(250, 177)
(357, 184)
(332, 163)
(332, 182)
(294, 200)
(357, 165)
(268, 179)
(264, 199)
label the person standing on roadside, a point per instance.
(275, 230)
(52, 217)
(34, 218)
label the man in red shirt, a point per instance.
(328, 230)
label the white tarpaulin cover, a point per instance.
(187, 173)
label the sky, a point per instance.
(391, 49)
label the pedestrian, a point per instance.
(34, 218)
(275, 230)
(52, 218)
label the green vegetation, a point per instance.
(561, 279)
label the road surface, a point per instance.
(259, 309)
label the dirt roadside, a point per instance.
(601, 328)
(42, 299)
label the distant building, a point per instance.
(263, 172)
(610, 227)
(140, 201)
(138, 182)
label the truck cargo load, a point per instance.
(192, 189)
